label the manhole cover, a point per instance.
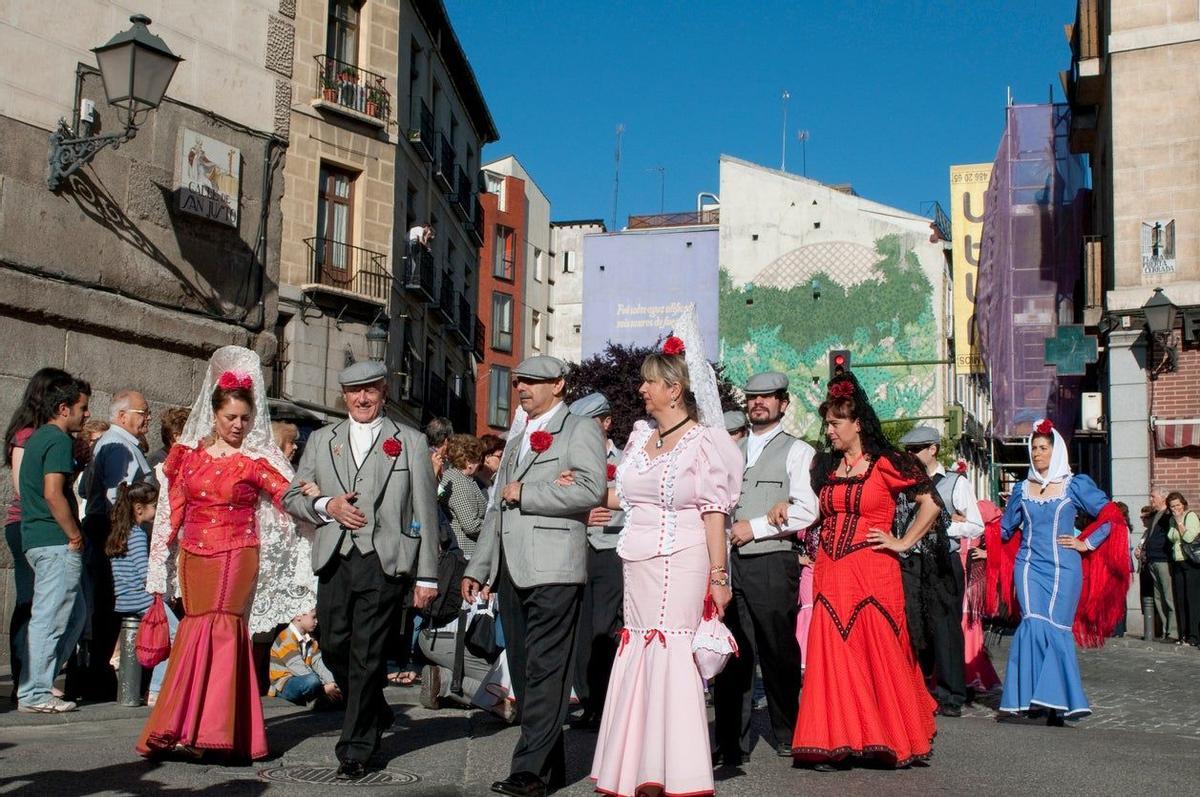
(327, 776)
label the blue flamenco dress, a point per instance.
(1043, 670)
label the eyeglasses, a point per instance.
(147, 413)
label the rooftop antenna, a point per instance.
(783, 153)
(662, 187)
(802, 137)
(617, 176)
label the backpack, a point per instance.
(452, 565)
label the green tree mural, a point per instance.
(886, 318)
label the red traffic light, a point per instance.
(839, 362)
(839, 359)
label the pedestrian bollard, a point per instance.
(129, 670)
(1148, 618)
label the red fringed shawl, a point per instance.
(1106, 577)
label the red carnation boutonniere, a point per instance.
(540, 441)
(673, 345)
(392, 447)
(1045, 427)
(612, 471)
(961, 466)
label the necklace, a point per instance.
(849, 466)
(669, 432)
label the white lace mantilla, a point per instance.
(286, 584)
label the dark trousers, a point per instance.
(539, 629)
(934, 620)
(356, 604)
(96, 678)
(762, 618)
(599, 620)
(1185, 584)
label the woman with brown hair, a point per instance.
(459, 495)
(864, 694)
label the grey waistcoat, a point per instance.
(765, 484)
(604, 538)
(358, 538)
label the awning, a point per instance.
(1176, 433)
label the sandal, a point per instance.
(407, 678)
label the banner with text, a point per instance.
(968, 186)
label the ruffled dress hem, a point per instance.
(650, 785)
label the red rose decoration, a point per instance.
(230, 380)
(1045, 427)
(961, 466)
(673, 346)
(612, 471)
(539, 441)
(392, 447)
(841, 390)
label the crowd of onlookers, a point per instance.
(1169, 558)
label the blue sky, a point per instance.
(891, 93)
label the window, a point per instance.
(335, 218)
(495, 185)
(341, 40)
(502, 322)
(570, 262)
(499, 391)
(504, 254)
(536, 331)
(538, 265)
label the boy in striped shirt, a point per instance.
(297, 673)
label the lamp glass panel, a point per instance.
(152, 74)
(116, 67)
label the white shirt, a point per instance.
(802, 501)
(417, 234)
(362, 437)
(965, 504)
(538, 424)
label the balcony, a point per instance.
(477, 340)
(461, 414)
(349, 271)
(349, 90)
(1086, 78)
(435, 400)
(688, 219)
(475, 231)
(420, 275)
(420, 131)
(460, 200)
(464, 327)
(443, 171)
(445, 302)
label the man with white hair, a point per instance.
(116, 460)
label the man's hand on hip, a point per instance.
(343, 510)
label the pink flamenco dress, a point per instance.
(980, 674)
(654, 733)
(210, 699)
(809, 541)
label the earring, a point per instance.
(672, 403)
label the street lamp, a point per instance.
(1160, 321)
(377, 338)
(136, 67)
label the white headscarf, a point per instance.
(286, 586)
(700, 370)
(1059, 468)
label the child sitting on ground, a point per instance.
(128, 551)
(298, 674)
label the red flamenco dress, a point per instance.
(210, 699)
(863, 691)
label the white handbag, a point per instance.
(713, 643)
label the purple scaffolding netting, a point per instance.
(1028, 266)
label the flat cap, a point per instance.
(921, 436)
(734, 420)
(541, 366)
(593, 405)
(766, 382)
(362, 373)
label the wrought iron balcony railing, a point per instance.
(420, 274)
(475, 231)
(445, 302)
(465, 325)
(420, 130)
(351, 87)
(350, 268)
(444, 170)
(685, 219)
(435, 399)
(477, 341)
(460, 200)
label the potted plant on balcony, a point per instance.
(377, 101)
(328, 87)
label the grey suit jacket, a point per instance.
(545, 538)
(391, 493)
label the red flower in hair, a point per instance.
(612, 471)
(1045, 427)
(841, 390)
(961, 466)
(231, 380)
(539, 441)
(392, 447)
(673, 346)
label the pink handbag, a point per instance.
(713, 643)
(153, 639)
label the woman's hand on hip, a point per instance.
(1074, 543)
(883, 541)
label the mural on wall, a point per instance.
(836, 295)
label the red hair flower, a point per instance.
(672, 346)
(961, 466)
(612, 471)
(1045, 427)
(231, 380)
(539, 441)
(392, 447)
(841, 390)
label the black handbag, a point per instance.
(1191, 550)
(481, 638)
(444, 608)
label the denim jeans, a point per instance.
(56, 619)
(302, 689)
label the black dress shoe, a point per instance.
(520, 784)
(783, 750)
(587, 721)
(949, 710)
(721, 759)
(351, 770)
